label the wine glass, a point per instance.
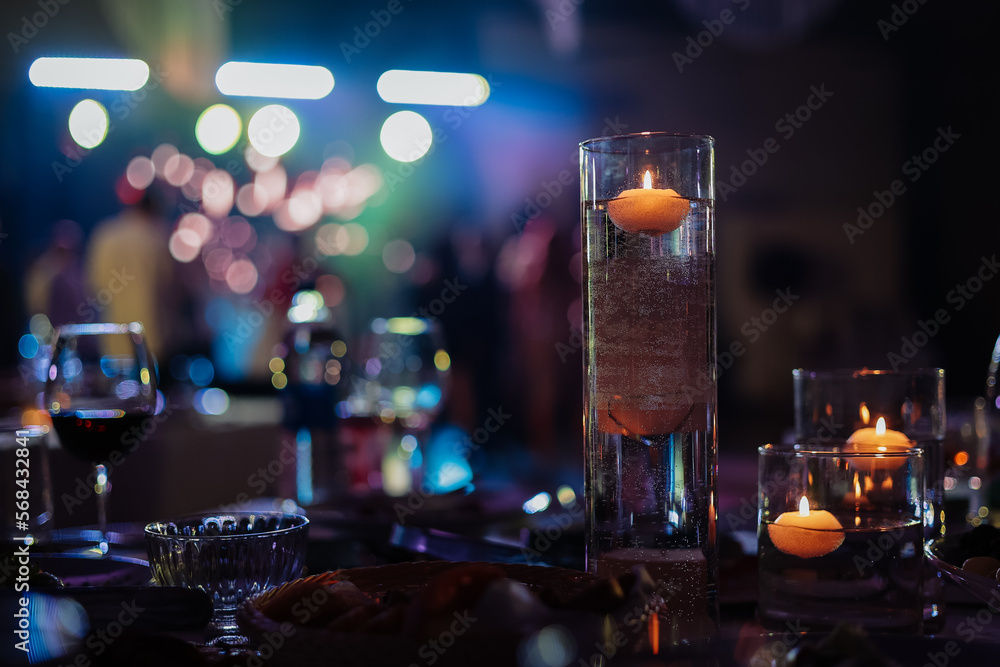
(101, 387)
(399, 385)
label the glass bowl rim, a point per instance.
(151, 531)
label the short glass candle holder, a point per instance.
(872, 407)
(840, 537)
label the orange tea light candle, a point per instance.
(879, 440)
(648, 210)
(806, 534)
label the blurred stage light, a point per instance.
(259, 163)
(140, 172)
(239, 234)
(442, 361)
(537, 503)
(566, 495)
(241, 276)
(400, 86)
(178, 170)
(304, 208)
(201, 371)
(301, 82)
(200, 225)
(28, 346)
(218, 192)
(88, 123)
(184, 245)
(218, 128)
(406, 326)
(160, 156)
(96, 73)
(273, 130)
(211, 401)
(398, 256)
(357, 238)
(406, 136)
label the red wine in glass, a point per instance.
(94, 435)
(101, 386)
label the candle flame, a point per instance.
(647, 181)
(857, 487)
(880, 426)
(804, 506)
(887, 484)
(865, 414)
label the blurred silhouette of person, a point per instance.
(532, 266)
(130, 270)
(54, 283)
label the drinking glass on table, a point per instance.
(840, 536)
(101, 385)
(397, 389)
(875, 407)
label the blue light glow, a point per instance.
(99, 414)
(201, 371)
(212, 401)
(303, 466)
(428, 396)
(446, 468)
(537, 503)
(28, 346)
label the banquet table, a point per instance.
(488, 524)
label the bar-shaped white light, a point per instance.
(299, 82)
(400, 86)
(89, 73)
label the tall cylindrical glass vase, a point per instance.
(649, 369)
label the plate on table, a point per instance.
(75, 570)
(490, 616)
(947, 553)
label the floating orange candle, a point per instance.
(879, 440)
(648, 210)
(806, 534)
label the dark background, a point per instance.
(562, 73)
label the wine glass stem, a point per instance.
(102, 486)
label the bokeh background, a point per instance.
(488, 213)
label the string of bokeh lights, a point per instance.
(274, 129)
(225, 243)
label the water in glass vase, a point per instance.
(650, 370)
(873, 577)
